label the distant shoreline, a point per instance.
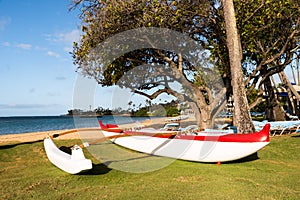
(63, 115)
(81, 116)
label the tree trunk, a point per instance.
(201, 116)
(242, 118)
(292, 93)
(298, 73)
(274, 111)
(203, 110)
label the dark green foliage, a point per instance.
(142, 112)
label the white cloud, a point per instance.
(4, 21)
(24, 46)
(6, 44)
(53, 54)
(70, 37)
(65, 38)
(38, 48)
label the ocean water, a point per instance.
(15, 125)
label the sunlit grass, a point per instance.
(26, 173)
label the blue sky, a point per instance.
(36, 71)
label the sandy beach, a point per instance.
(35, 136)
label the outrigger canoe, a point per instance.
(203, 147)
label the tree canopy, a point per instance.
(169, 56)
(269, 33)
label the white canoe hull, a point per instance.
(72, 164)
(191, 150)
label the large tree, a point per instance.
(151, 69)
(266, 48)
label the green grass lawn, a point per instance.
(26, 173)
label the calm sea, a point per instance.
(12, 125)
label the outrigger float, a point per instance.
(200, 147)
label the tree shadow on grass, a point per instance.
(98, 169)
(9, 146)
(249, 158)
(295, 136)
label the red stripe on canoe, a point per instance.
(261, 136)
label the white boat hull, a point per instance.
(72, 164)
(191, 150)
